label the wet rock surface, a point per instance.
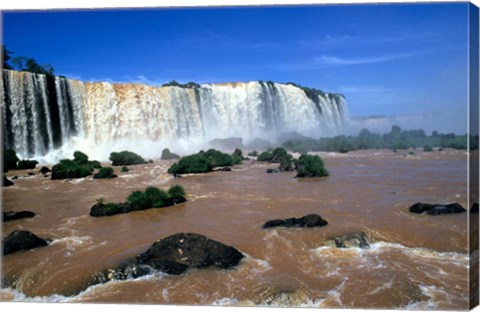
(174, 255)
(15, 215)
(359, 240)
(436, 209)
(7, 182)
(311, 220)
(22, 240)
(177, 253)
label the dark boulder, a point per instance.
(7, 182)
(311, 220)
(167, 155)
(474, 208)
(15, 215)
(21, 240)
(360, 240)
(436, 209)
(44, 170)
(31, 173)
(176, 253)
(272, 171)
(101, 210)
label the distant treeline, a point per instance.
(396, 139)
(22, 63)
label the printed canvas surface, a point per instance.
(277, 155)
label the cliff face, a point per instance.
(42, 113)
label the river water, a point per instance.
(414, 262)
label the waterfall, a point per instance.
(45, 114)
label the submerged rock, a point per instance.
(436, 209)
(44, 170)
(15, 215)
(22, 240)
(278, 295)
(272, 170)
(311, 220)
(224, 169)
(176, 253)
(7, 182)
(360, 240)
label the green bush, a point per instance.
(26, 164)
(79, 167)
(311, 166)
(176, 194)
(70, 169)
(124, 169)
(125, 158)
(105, 173)
(427, 148)
(94, 164)
(80, 158)
(286, 164)
(154, 197)
(278, 153)
(217, 158)
(196, 163)
(138, 201)
(166, 155)
(201, 162)
(10, 159)
(237, 156)
(265, 156)
(253, 154)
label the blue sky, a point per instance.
(394, 60)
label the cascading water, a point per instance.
(45, 114)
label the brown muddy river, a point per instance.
(415, 261)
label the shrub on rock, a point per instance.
(152, 197)
(26, 164)
(237, 156)
(217, 158)
(265, 156)
(105, 173)
(69, 169)
(177, 194)
(80, 158)
(79, 167)
(310, 166)
(126, 158)
(191, 164)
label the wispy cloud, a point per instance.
(334, 60)
(367, 89)
(341, 41)
(325, 61)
